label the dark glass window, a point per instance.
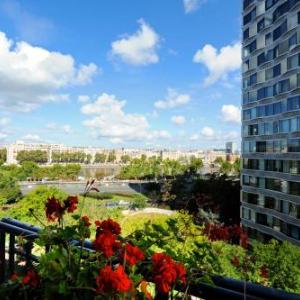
(270, 3)
(261, 59)
(280, 10)
(246, 33)
(276, 70)
(293, 145)
(253, 79)
(261, 146)
(293, 40)
(250, 16)
(270, 202)
(293, 103)
(261, 25)
(253, 129)
(294, 188)
(247, 3)
(273, 184)
(280, 30)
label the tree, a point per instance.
(100, 158)
(88, 159)
(9, 189)
(125, 158)
(195, 164)
(37, 156)
(3, 154)
(111, 156)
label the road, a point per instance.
(78, 187)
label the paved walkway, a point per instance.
(148, 210)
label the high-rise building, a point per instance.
(271, 119)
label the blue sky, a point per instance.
(120, 73)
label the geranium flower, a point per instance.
(110, 280)
(86, 221)
(106, 243)
(132, 254)
(108, 225)
(71, 203)
(166, 272)
(264, 272)
(235, 261)
(54, 210)
(31, 278)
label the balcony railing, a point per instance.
(224, 288)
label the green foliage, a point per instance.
(70, 157)
(111, 156)
(35, 201)
(100, 196)
(125, 158)
(37, 156)
(9, 189)
(100, 158)
(3, 154)
(283, 262)
(138, 201)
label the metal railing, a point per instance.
(223, 288)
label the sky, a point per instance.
(121, 73)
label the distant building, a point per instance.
(231, 148)
(208, 156)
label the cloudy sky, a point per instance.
(120, 73)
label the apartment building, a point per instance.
(271, 119)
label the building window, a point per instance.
(246, 33)
(294, 188)
(293, 62)
(293, 40)
(253, 79)
(261, 25)
(280, 30)
(276, 70)
(250, 16)
(293, 103)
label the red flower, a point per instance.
(106, 243)
(86, 221)
(31, 278)
(235, 261)
(14, 277)
(132, 254)
(71, 203)
(264, 272)
(108, 225)
(166, 272)
(110, 280)
(54, 210)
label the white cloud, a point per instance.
(32, 75)
(192, 5)
(31, 138)
(30, 27)
(85, 73)
(194, 137)
(207, 132)
(51, 126)
(109, 120)
(178, 120)
(219, 62)
(173, 99)
(4, 121)
(139, 49)
(67, 129)
(83, 98)
(3, 136)
(231, 113)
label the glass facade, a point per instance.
(271, 119)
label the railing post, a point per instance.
(28, 247)
(2, 256)
(11, 259)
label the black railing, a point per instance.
(224, 288)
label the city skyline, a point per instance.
(135, 82)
